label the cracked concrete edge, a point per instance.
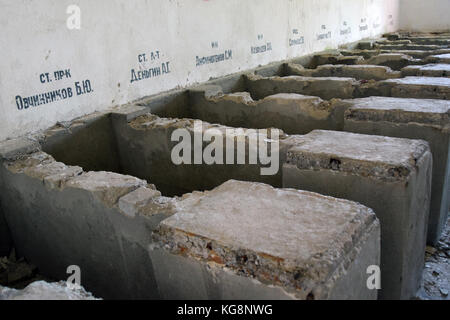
(151, 121)
(253, 78)
(358, 71)
(130, 195)
(15, 148)
(129, 112)
(383, 171)
(312, 106)
(353, 112)
(301, 278)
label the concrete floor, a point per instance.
(436, 275)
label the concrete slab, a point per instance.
(415, 87)
(425, 119)
(428, 70)
(324, 87)
(360, 72)
(395, 61)
(440, 58)
(430, 41)
(397, 41)
(300, 245)
(129, 112)
(14, 148)
(417, 54)
(291, 112)
(366, 44)
(335, 58)
(390, 175)
(423, 47)
(392, 36)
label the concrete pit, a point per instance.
(294, 113)
(103, 222)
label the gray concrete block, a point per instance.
(109, 187)
(415, 119)
(327, 58)
(403, 41)
(390, 175)
(129, 112)
(366, 44)
(416, 54)
(360, 71)
(440, 58)
(78, 222)
(14, 148)
(291, 112)
(324, 87)
(423, 47)
(138, 201)
(247, 240)
(428, 70)
(395, 61)
(415, 87)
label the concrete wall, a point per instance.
(115, 34)
(420, 15)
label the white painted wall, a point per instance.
(425, 15)
(36, 41)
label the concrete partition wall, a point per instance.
(425, 119)
(147, 144)
(60, 216)
(390, 175)
(293, 113)
(117, 229)
(130, 140)
(125, 50)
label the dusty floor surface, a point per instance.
(436, 276)
(17, 273)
